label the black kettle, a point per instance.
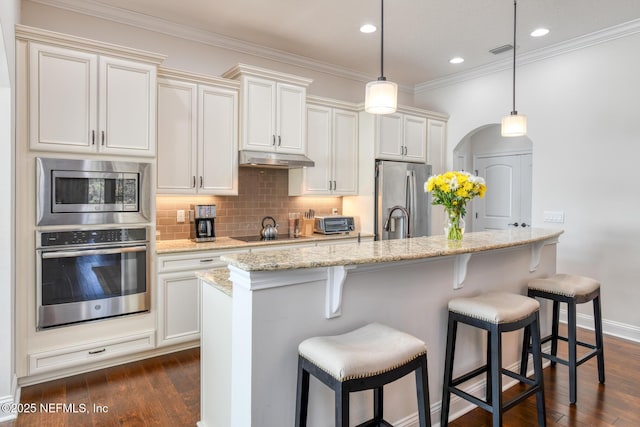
(269, 231)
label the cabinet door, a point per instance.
(436, 145)
(177, 136)
(415, 139)
(389, 137)
(218, 141)
(178, 308)
(258, 114)
(317, 180)
(127, 107)
(345, 152)
(290, 118)
(63, 99)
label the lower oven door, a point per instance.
(87, 284)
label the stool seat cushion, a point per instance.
(370, 350)
(568, 285)
(495, 307)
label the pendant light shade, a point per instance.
(514, 124)
(381, 96)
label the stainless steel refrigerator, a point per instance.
(402, 184)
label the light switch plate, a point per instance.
(554, 216)
(180, 216)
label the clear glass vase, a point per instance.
(454, 227)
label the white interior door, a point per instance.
(507, 202)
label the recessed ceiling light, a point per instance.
(368, 28)
(539, 32)
(456, 60)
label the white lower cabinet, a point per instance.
(92, 352)
(179, 297)
(178, 294)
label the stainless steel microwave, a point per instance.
(79, 192)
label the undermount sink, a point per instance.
(258, 238)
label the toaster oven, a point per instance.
(333, 224)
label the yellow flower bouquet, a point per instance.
(452, 190)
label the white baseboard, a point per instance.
(609, 327)
(10, 401)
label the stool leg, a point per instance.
(496, 375)
(450, 351)
(526, 347)
(378, 399)
(536, 349)
(302, 395)
(597, 317)
(342, 406)
(554, 330)
(489, 382)
(571, 325)
(422, 388)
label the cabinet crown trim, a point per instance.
(336, 103)
(169, 73)
(27, 33)
(250, 70)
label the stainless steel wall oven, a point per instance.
(73, 192)
(88, 274)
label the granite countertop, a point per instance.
(386, 250)
(218, 278)
(186, 245)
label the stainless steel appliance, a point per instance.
(401, 185)
(333, 224)
(204, 223)
(91, 274)
(79, 192)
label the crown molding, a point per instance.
(91, 8)
(608, 34)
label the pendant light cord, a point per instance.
(382, 41)
(515, 4)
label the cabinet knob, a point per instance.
(102, 142)
(279, 140)
(274, 140)
(515, 224)
(194, 182)
(93, 137)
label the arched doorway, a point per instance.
(506, 165)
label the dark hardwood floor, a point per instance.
(165, 391)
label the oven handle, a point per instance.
(66, 254)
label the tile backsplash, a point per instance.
(261, 192)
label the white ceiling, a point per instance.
(420, 36)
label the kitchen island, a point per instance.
(279, 298)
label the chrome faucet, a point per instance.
(405, 212)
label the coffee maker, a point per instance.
(204, 218)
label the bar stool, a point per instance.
(572, 290)
(363, 359)
(495, 312)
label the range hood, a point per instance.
(273, 160)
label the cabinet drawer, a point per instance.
(194, 262)
(89, 353)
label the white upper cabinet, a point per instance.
(89, 103)
(401, 137)
(332, 141)
(273, 110)
(197, 136)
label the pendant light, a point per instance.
(514, 124)
(381, 96)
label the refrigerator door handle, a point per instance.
(411, 197)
